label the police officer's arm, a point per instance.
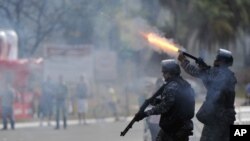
(230, 113)
(191, 69)
(168, 99)
(226, 94)
(231, 92)
(157, 100)
(231, 98)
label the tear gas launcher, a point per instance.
(199, 60)
(167, 46)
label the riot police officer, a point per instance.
(217, 112)
(176, 105)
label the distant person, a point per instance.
(35, 103)
(113, 102)
(82, 100)
(61, 93)
(153, 121)
(7, 97)
(46, 101)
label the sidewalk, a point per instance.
(33, 124)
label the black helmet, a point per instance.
(170, 66)
(225, 56)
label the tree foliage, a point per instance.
(216, 21)
(33, 21)
(115, 23)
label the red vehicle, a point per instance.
(21, 74)
(20, 71)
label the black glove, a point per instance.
(156, 101)
(140, 116)
(181, 57)
(201, 63)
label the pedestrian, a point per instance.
(176, 105)
(82, 100)
(113, 102)
(7, 97)
(46, 101)
(61, 93)
(152, 121)
(217, 112)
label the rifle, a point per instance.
(142, 108)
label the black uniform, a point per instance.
(176, 108)
(217, 112)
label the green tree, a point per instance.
(33, 21)
(211, 21)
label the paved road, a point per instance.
(101, 131)
(96, 130)
(107, 130)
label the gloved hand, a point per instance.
(156, 101)
(201, 63)
(140, 116)
(181, 57)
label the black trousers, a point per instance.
(215, 133)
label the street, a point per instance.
(96, 130)
(101, 131)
